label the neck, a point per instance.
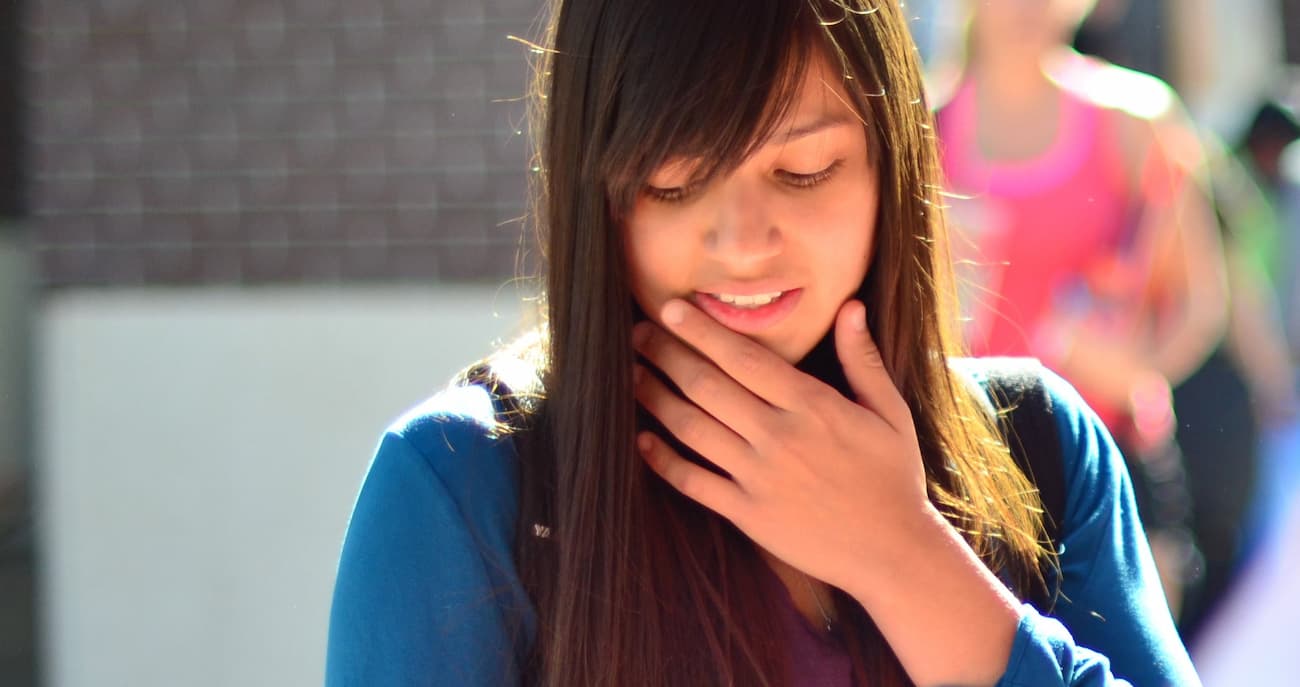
(1014, 75)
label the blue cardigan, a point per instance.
(427, 592)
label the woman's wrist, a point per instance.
(946, 616)
(903, 550)
(886, 552)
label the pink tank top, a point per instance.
(1039, 237)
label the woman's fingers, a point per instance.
(691, 425)
(762, 372)
(706, 385)
(710, 490)
(865, 369)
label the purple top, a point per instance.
(816, 660)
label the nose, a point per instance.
(744, 230)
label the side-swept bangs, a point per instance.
(704, 82)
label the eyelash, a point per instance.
(799, 181)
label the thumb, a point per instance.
(865, 368)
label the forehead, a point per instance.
(821, 85)
(821, 100)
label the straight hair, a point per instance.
(634, 584)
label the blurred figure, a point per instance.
(1273, 245)
(1247, 384)
(1271, 130)
(1086, 236)
(1247, 637)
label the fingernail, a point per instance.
(860, 318)
(644, 443)
(674, 312)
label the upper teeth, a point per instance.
(756, 299)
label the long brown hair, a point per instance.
(634, 585)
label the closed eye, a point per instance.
(809, 180)
(679, 194)
(676, 194)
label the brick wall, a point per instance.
(275, 141)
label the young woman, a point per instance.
(741, 450)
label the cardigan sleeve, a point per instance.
(1111, 624)
(418, 599)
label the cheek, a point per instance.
(845, 224)
(847, 251)
(655, 258)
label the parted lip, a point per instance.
(748, 288)
(754, 319)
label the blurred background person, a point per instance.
(1272, 240)
(1087, 235)
(1246, 636)
(1226, 57)
(1248, 383)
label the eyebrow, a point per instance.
(826, 121)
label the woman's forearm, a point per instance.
(1199, 285)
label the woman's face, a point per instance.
(773, 249)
